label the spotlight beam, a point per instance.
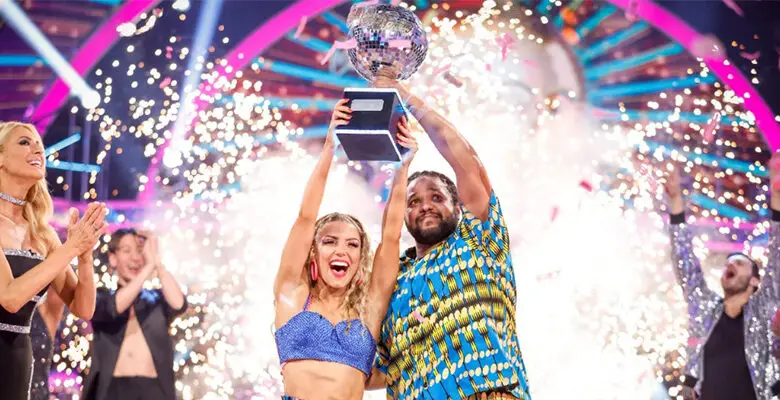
(62, 144)
(309, 42)
(612, 41)
(599, 93)
(20, 60)
(601, 70)
(310, 74)
(87, 56)
(73, 166)
(659, 116)
(204, 32)
(30, 33)
(312, 132)
(709, 159)
(336, 21)
(724, 210)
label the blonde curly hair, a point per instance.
(39, 208)
(355, 300)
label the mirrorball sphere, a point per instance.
(374, 28)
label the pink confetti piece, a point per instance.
(165, 82)
(399, 43)
(453, 80)
(750, 56)
(586, 185)
(340, 45)
(395, 2)
(440, 69)
(631, 10)
(733, 5)
(366, 3)
(554, 214)
(712, 127)
(531, 63)
(417, 316)
(488, 67)
(301, 25)
(505, 41)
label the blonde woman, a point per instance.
(33, 257)
(328, 308)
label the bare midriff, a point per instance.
(134, 359)
(322, 380)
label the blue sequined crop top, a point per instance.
(310, 336)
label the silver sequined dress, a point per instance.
(705, 308)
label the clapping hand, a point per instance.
(83, 234)
(672, 185)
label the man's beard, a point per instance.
(739, 287)
(434, 235)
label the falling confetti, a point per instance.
(301, 26)
(586, 185)
(340, 45)
(504, 41)
(165, 82)
(750, 56)
(554, 214)
(733, 5)
(712, 127)
(632, 10)
(416, 315)
(452, 79)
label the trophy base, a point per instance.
(370, 133)
(362, 145)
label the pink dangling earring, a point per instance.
(313, 269)
(360, 277)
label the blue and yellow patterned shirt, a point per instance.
(450, 327)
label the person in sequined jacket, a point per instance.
(730, 339)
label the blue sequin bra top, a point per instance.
(310, 336)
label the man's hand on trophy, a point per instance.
(672, 185)
(341, 116)
(386, 77)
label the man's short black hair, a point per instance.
(452, 190)
(117, 236)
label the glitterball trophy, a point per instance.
(385, 36)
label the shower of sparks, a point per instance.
(598, 306)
